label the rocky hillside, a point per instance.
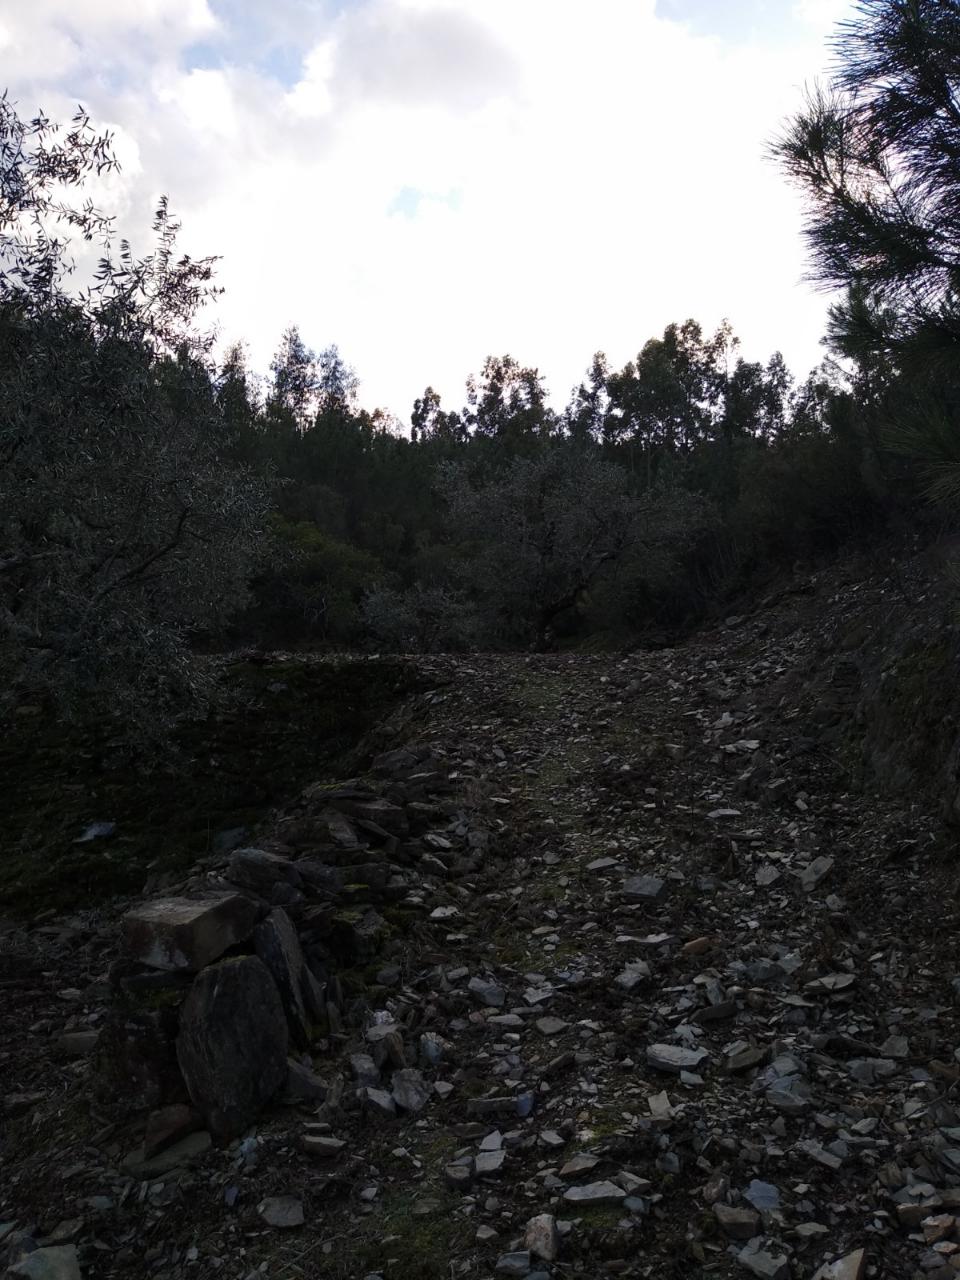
(633, 965)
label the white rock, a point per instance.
(851, 1267)
(674, 1058)
(633, 974)
(541, 1237)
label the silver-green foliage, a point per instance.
(541, 531)
(124, 525)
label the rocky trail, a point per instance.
(596, 966)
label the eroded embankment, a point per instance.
(291, 719)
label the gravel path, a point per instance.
(661, 997)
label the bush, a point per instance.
(421, 619)
(313, 592)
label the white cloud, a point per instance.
(48, 40)
(412, 55)
(608, 168)
(821, 14)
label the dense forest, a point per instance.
(158, 496)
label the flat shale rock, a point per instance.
(57, 1263)
(812, 876)
(759, 1261)
(378, 1103)
(594, 1193)
(551, 1026)
(487, 993)
(576, 1165)
(276, 943)
(764, 1196)
(738, 1224)
(513, 1264)
(143, 1166)
(168, 1125)
(851, 1267)
(232, 1046)
(260, 870)
(303, 1084)
(321, 1147)
(410, 1091)
(633, 974)
(489, 1164)
(281, 1211)
(644, 889)
(791, 1095)
(186, 933)
(674, 1058)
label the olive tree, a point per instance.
(539, 532)
(124, 526)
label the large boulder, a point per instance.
(232, 1046)
(276, 943)
(187, 933)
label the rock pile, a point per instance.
(244, 967)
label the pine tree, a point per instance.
(877, 155)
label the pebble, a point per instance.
(760, 1262)
(764, 1196)
(644, 889)
(579, 1164)
(321, 1148)
(633, 974)
(551, 1026)
(490, 1163)
(513, 1264)
(281, 1211)
(487, 993)
(409, 1089)
(738, 1224)
(813, 875)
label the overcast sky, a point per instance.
(426, 182)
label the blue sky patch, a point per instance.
(407, 201)
(730, 19)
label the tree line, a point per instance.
(156, 496)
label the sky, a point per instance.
(428, 182)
